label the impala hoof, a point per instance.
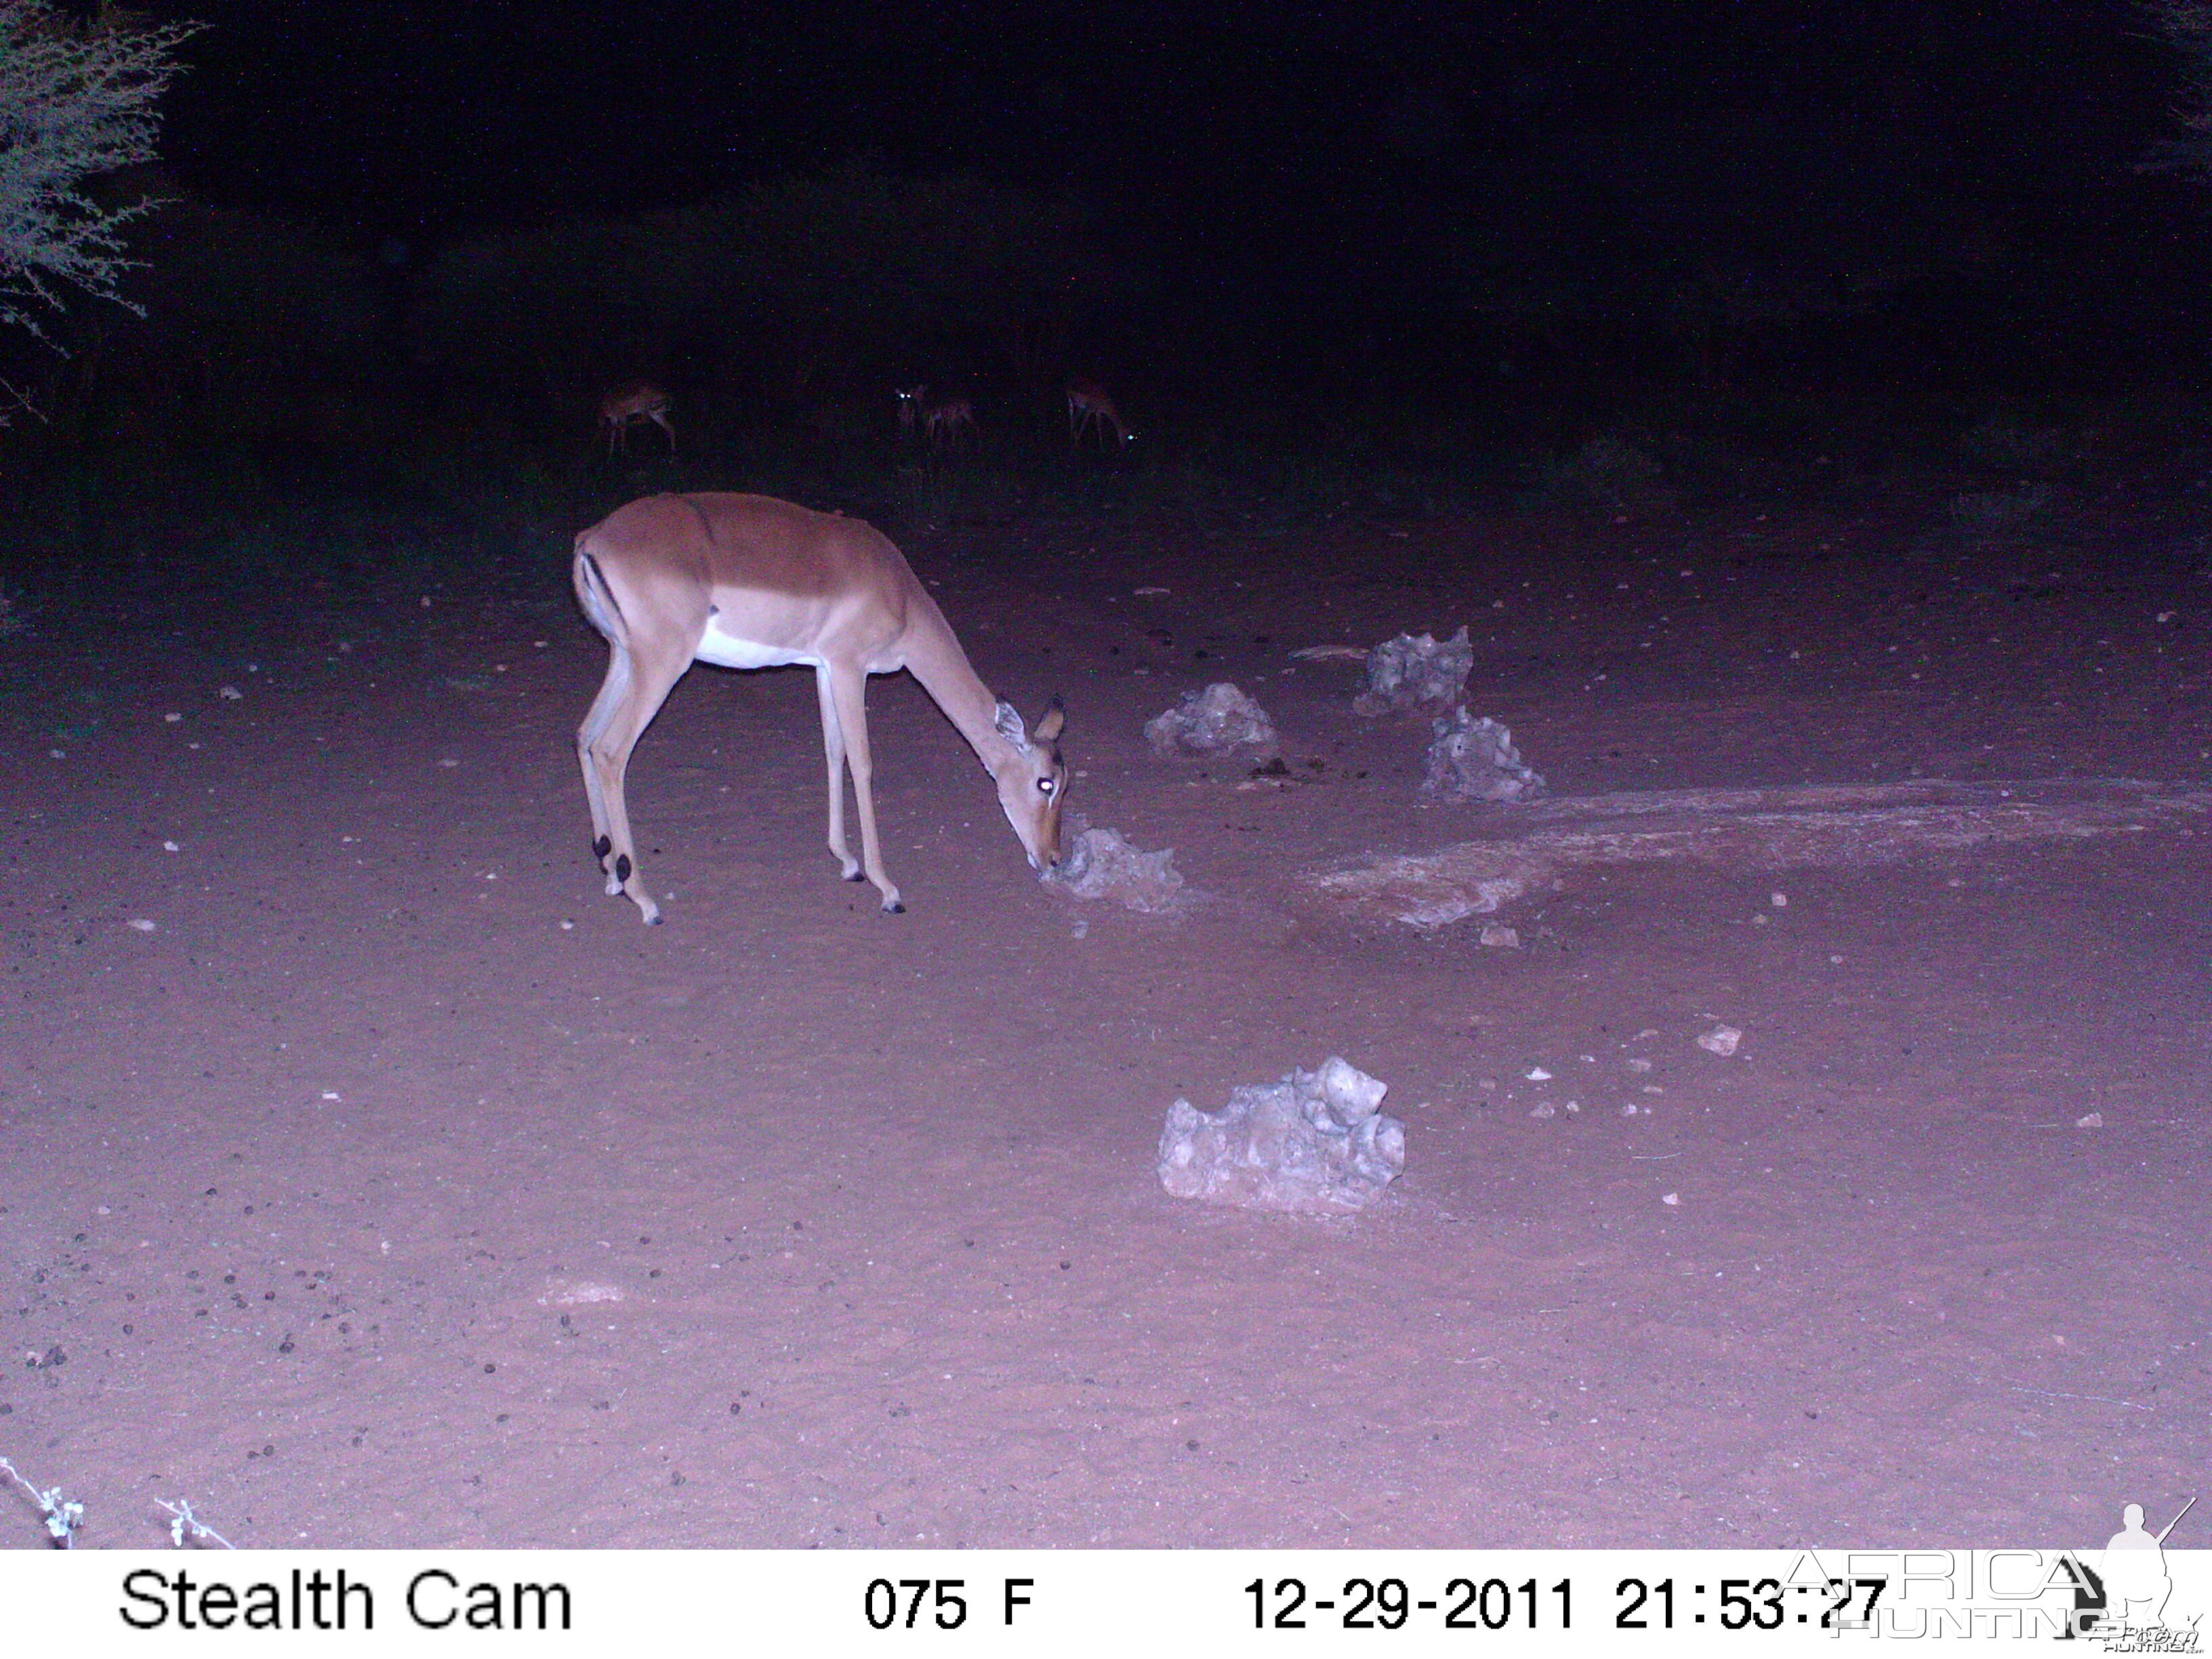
(893, 908)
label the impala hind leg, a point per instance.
(612, 690)
(848, 691)
(833, 748)
(626, 704)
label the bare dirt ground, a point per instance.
(366, 1202)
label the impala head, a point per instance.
(1033, 782)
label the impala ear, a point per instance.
(1054, 718)
(1009, 723)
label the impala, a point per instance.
(909, 407)
(1089, 406)
(744, 581)
(641, 400)
(947, 421)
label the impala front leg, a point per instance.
(848, 689)
(833, 747)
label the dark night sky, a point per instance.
(1311, 149)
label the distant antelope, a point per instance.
(1089, 406)
(947, 421)
(909, 407)
(641, 400)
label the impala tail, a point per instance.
(600, 607)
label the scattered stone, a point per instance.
(1407, 672)
(2094, 1121)
(1474, 759)
(1316, 1143)
(1541, 1109)
(141, 924)
(1639, 1065)
(1101, 864)
(1537, 1074)
(1628, 1108)
(1501, 938)
(1670, 1197)
(1720, 1040)
(230, 693)
(1218, 720)
(1330, 654)
(1778, 899)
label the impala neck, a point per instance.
(936, 659)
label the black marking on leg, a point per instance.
(601, 847)
(857, 875)
(896, 907)
(623, 867)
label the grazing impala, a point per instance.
(641, 400)
(947, 423)
(1089, 406)
(744, 581)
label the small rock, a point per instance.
(1537, 1074)
(1779, 900)
(230, 693)
(141, 924)
(1407, 672)
(1542, 1108)
(1500, 938)
(2094, 1121)
(1671, 1198)
(1720, 1040)
(1317, 1143)
(1103, 864)
(1218, 720)
(1639, 1065)
(1473, 758)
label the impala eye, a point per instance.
(1046, 785)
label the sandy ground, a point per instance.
(399, 1188)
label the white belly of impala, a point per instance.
(727, 650)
